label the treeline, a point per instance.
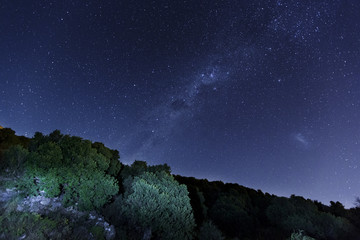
(147, 202)
(245, 213)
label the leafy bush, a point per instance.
(155, 205)
(68, 166)
(298, 213)
(209, 231)
(98, 232)
(300, 236)
(90, 189)
(113, 155)
(15, 225)
(55, 225)
(14, 159)
(8, 139)
(229, 211)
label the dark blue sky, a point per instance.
(262, 93)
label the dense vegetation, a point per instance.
(147, 202)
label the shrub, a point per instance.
(209, 231)
(98, 232)
(300, 236)
(14, 159)
(155, 204)
(91, 189)
(68, 166)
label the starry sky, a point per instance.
(264, 93)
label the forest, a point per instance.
(59, 186)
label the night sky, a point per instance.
(261, 93)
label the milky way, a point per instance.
(262, 93)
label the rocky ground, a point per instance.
(80, 222)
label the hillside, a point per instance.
(64, 187)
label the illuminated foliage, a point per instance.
(151, 203)
(155, 202)
(70, 167)
(113, 155)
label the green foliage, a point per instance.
(221, 203)
(197, 201)
(298, 213)
(153, 205)
(80, 153)
(98, 232)
(55, 225)
(55, 136)
(300, 236)
(139, 167)
(159, 168)
(91, 189)
(47, 155)
(67, 166)
(155, 202)
(245, 213)
(337, 209)
(14, 225)
(354, 215)
(229, 211)
(14, 159)
(209, 231)
(27, 184)
(113, 155)
(66, 150)
(8, 139)
(50, 182)
(37, 140)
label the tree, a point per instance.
(70, 167)
(8, 139)
(230, 215)
(14, 159)
(209, 231)
(113, 155)
(337, 209)
(298, 213)
(300, 236)
(55, 136)
(47, 155)
(90, 189)
(357, 202)
(157, 205)
(137, 168)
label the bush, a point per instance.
(209, 231)
(91, 189)
(98, 232)
(14, 159)
(68, 166)
(298, 213)
(14, 225)
(229, 211)
(300, 236)
(156, 205)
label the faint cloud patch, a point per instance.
(301, 140)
